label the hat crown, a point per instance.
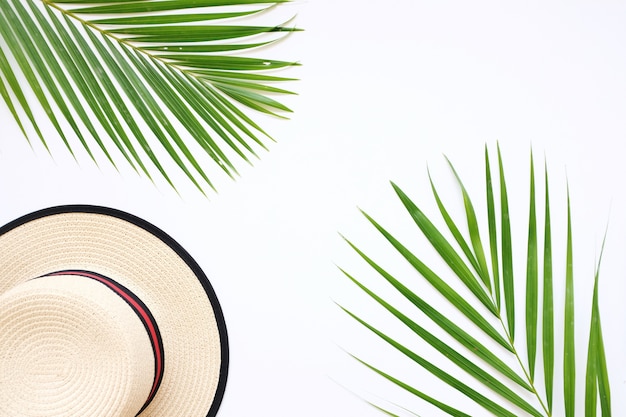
(71, 346)
(190, 346)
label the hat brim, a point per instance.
(154, 267)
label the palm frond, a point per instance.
(104, 72)
(499, 388)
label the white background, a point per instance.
(386, 88)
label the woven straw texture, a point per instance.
(148, 267)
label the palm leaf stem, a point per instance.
(468, 366)
(444, 323)
(529, 380)
(91, 25)
(441, 374)
(193, 73)
(477, 260)
(528, 383)
(597, 391)
(127, 43)
(528, 372)
(532, 271)
(427, 229)
(142, 53)
(450, 294)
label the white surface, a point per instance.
(387, 87)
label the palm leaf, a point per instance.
(548, 301)
(500, 389)
(105, 72)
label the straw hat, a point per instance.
(102, 314)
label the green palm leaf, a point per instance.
(112, 70)
(501, 389)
